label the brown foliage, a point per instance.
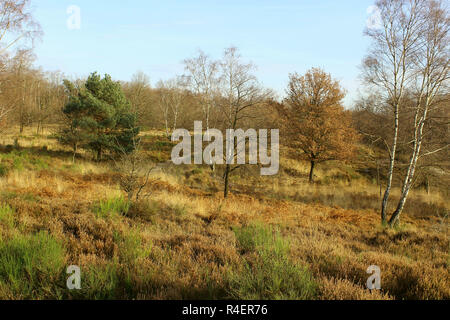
(314, 120)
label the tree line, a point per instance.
(401, 116)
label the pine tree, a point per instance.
(99, 117)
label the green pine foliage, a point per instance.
(99, 117)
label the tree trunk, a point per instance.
(411, 170)
(75, 149)
(175, 121)
(384, 203)
(212, 166)
(207, 118)
(167, 128)
(99, 154)
(378, 179)
(226, 179)
(311, 172)
(405, 191)
(228, 169)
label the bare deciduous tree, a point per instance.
(203, 79)
(241, 94)
(138, 92)
(431, 70)
(408, 63)
(7, 100)
(16, 26)
(134, 170)
(387, 66)
(171, 93)
(16, 23)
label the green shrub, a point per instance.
(131, 247)
(11, 195)
(3, 170)
(39, 163)
(30, 197)
(113, 280)
(73, 167)
(261, 239)
(8, 195)
(20, 160)
(98, 282)
(112, 207)
(18, 164)
(6, 215)
(30, 265)
(268, 272)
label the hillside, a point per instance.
(273, 238)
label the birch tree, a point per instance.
(137, 91)
(171, 94)
(16, 24)
(408, 61)
(6, 99)
(203, 75)
(431, 70)
(241, 94)
(387, 66)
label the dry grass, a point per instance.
(180, 242)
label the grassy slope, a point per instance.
(273, 238)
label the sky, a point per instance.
(278, 36)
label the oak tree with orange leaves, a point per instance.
(314, 120)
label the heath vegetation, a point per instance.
(86, 176)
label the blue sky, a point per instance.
(279, 37)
